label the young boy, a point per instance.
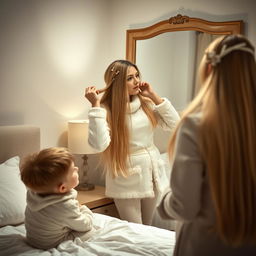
(53, 214)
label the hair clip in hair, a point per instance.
(115, 74)
(214, 58)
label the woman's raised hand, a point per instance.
(146, 90)
(91, 95)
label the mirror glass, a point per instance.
(168, 54)
(170, 71)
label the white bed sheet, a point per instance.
(114, 238)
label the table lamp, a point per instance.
(78, 144)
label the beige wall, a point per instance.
(51, 49)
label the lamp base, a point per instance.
(85, 186)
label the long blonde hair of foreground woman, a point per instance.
(227, 101)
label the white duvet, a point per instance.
(113, 238)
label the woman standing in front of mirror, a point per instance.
(121, 125)
(213, 181)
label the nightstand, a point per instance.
(97, 201)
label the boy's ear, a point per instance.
(62, 188)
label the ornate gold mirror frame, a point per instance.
(179, 23)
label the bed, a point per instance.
(115, 237)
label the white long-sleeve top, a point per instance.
(51, 219)
(145, 167)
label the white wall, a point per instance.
(50, 51)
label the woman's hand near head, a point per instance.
(92, 96)
(146, 90)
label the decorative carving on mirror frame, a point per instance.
(179, 23)
(178, 19)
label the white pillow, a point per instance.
(12, 193)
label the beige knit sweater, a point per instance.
(51, 219)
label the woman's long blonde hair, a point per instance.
(116, 102)
(227, 101)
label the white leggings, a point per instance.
(138, 210)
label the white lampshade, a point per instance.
(78, 137)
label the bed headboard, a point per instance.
(18, 140)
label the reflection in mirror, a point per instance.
(168, 53)
(171, 72)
